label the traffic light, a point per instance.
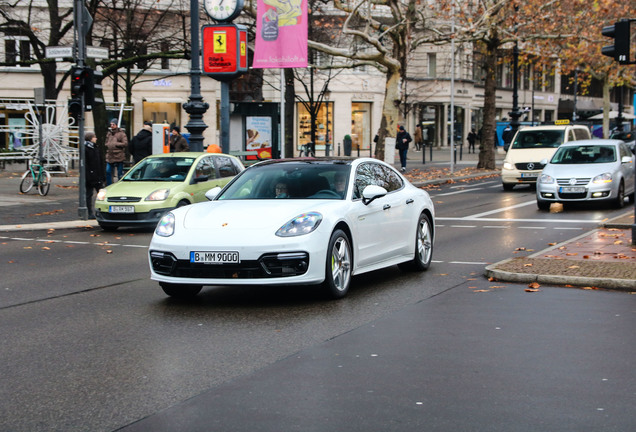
(93, 89)
(78, 82)
(75, 109)
(620, 32)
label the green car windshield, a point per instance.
(538, 139)
(589, 154)
(169, 169)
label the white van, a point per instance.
(532, 144)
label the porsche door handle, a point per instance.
(410, 201)
(386, 207)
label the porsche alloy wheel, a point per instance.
(423, 246)
(338, 265)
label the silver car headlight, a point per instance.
(300, 225)
(546, 179)
(165, 227)
(508, 166)
(603, 178)
(158, 195)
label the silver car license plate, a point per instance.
(214, 257)
(572, 189)
(121, 209)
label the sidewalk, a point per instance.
(602, 258)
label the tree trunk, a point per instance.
(606, 107)
(390, 112)
(487, 142)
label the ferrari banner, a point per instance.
(281, 34)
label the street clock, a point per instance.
(223, 10)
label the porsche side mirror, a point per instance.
(212, 193)
(371, 193)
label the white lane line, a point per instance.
(468, 263)
(567, 228)
(497, 226)
(503, 209)
(463, 226)
(531, 227)
(40, 240)
(456, 192)
(473, 219)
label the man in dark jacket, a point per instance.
(177, 142)
(402, 141)
(141, 145)
(93, 170)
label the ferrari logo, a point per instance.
(220, 43)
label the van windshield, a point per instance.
(538, 139)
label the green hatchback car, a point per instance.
(160, 183)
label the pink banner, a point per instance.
(281, 34)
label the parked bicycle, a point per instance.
(37, 176)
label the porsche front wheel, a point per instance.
(338, 265)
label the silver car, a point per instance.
(588, 170)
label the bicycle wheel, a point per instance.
(45, 183)
(27, 182)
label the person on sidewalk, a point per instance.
(141, 144)
(116, 143)
(93, 172)
(472, 138)
(418, 137)
(402, 141)
(177, 142)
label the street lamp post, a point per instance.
(195, 106)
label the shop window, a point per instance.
(324, 126)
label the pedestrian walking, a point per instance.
(177, 142)
(472, 138)
(418, 137)
(141, 144)
(93, 171)
(116, 143)
(402, 141)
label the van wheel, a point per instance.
(508, 186)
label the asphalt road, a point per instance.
(90, 343)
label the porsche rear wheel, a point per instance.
(181, 291)
(338, 265)
(423, 246)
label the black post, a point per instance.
(195, 106)
(619, 118)
(515, 113)
(424, 153)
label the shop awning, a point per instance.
(165, 100)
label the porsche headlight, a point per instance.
(546, 179)
(165, 227)
(158, 195)
(603, 178)
(300, 225)
(101, 195)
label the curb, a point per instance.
(600, 282)
(50, 225)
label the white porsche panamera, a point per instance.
(296, 222)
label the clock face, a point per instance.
(223, 10)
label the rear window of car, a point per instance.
(538, 139)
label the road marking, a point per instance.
(456, 192)
(468, 262)
(503, 209)
(473, 219)
(531, 227)
(463, 226)
(41, 240)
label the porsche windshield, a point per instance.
(172, 169)
(296, 180)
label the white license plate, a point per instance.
(121, 209)
(529, 175)
(214, 257)
(572, 189)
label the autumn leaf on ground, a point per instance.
(534, 285)
(552, 244)
(46, 248)
(618, 242)
(571, 254)
(589, 288)
(532, 290)
(574, 267)
(586, 257)
(109, 251)
(528, 265)
(520, 249)
(481, 290)
(492, 279)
